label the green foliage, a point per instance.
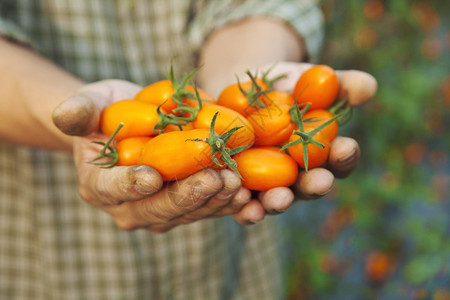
(421, 268)
(399, 195)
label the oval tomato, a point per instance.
(264, 168)
(315, 118)
(318, 85)
(138, 118)
(157, 93)
(317, 156)
(272, 125)
(204, 95)
(379, 265)
(226, 120)
(173, 127)
(232, 97)
(277, 97)
(161, 92)
(175, 156)
(129, 150)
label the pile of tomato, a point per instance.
(263, 134)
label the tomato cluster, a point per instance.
(261, 133)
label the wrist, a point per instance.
(34, 87)
(46, 134)
(257, 41)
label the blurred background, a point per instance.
(383, 233)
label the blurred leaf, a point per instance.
(423, 268)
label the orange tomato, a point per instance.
(138, 118)
(318, 85)
(317, 156)
(174, 156)
(232, 97)
(161, 92)
(158, 92)
(129, 150)
(315, 118)
(204, 95)
(173, 127)
(379, 265)
(277, 97)
(264, 168)
(226, 120)
(272, 125)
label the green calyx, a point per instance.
(343, 109)
(270, 82)
(183, 113)
(218, 145)
(254, 93)
(180, 91)
(253, 96)
(108, 152)
(305, 138)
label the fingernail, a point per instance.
(347, 158)
(144, 186)
(319, 195)
(146, 182)
(277, 211)
(250, 222)
(254, 221)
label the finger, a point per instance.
(104, 187)
(252, 213)
(314, 184)
(231, 185)
(238, 199)
(77, 116)
(161, 228)
(344, 156)
(357, 86)
(289, 72)
(241, 198)
(173, 201)
(276, 200)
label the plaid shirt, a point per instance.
(55, 246)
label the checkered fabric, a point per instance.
(55, 246)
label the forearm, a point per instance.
(30, 88)
(246, 45)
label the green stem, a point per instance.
(343, 109)
(178, 115)
(254, 93)
(305, 138)
(109, 151)
(270, 82)
(218, 144)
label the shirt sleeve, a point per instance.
(304, 16)
(8, 28)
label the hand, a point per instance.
(358, 87)
(135, 196)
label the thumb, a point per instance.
(113, 186)
(77, 116)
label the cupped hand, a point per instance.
(358, 88)
(136, 196)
